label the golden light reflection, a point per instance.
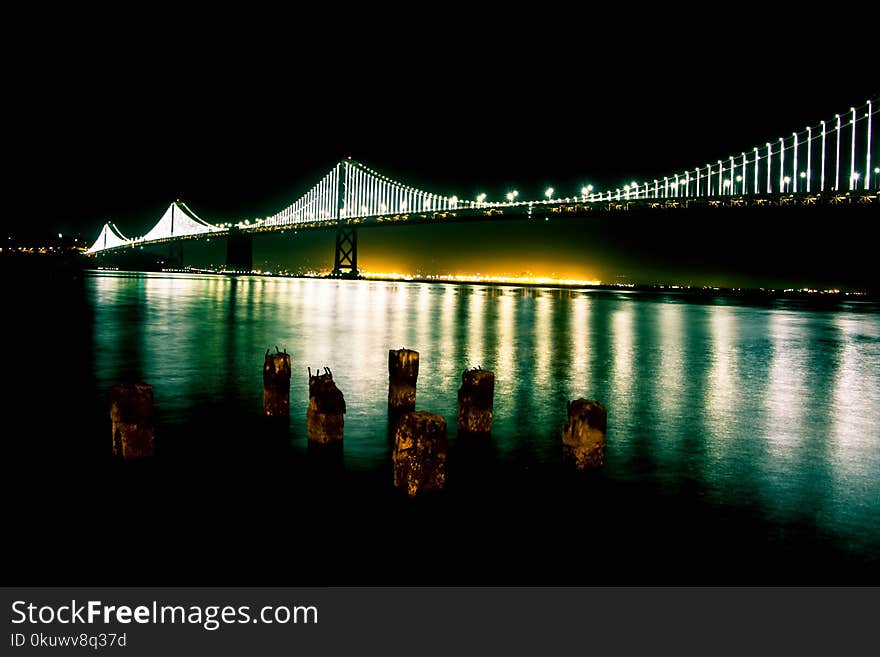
(579, 330)
(785, 395)
(447, 302)
(360, 313)
(854, 449)
(475, 337)
(622, 345)
(543, 346)
(721, 389)
(402, 325)
(423, 320)
(672, 363)
(505, 363)
(723, 399)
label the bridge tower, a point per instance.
(345, 263)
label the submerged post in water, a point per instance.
(276, 384)
(419, 454)
(131, 417)
(403, 371)
(583, 437)
(475, 400)
(325, 419)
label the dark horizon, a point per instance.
(117, 128)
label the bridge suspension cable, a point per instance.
(351, 190)
(109, 237)
(789, 161)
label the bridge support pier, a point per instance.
(239, 251)
(175, 255)
(346, 261)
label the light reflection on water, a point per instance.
(777, 407)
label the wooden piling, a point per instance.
(419, 454)
(276, 384)
(325, 419)
(475, 400)
(131, 417)
(583, 437)
(403, 371)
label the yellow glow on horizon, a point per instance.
(481, 278)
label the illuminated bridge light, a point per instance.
(351, 190)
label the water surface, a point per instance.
(773, 407)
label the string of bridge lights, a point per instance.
(736, 167)
(352, 190)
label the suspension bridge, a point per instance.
(833, 162)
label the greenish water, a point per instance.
(743, 443)
(773, 408)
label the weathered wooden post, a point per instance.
(475, 400)
(131, 417)
(583, 437)
(419, 454)
(325, 419)
(403, 370)
(276, 384)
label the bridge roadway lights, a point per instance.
(345, 264)
(239, 251)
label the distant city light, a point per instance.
(549, 193)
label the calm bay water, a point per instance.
(775, 408)
(743, 443)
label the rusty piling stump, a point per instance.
(325, 419)
(583, 437)
(131, 417)
(276, 384)
(403, 371)
(475, 401)
(419, 454)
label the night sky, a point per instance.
(239, 116)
